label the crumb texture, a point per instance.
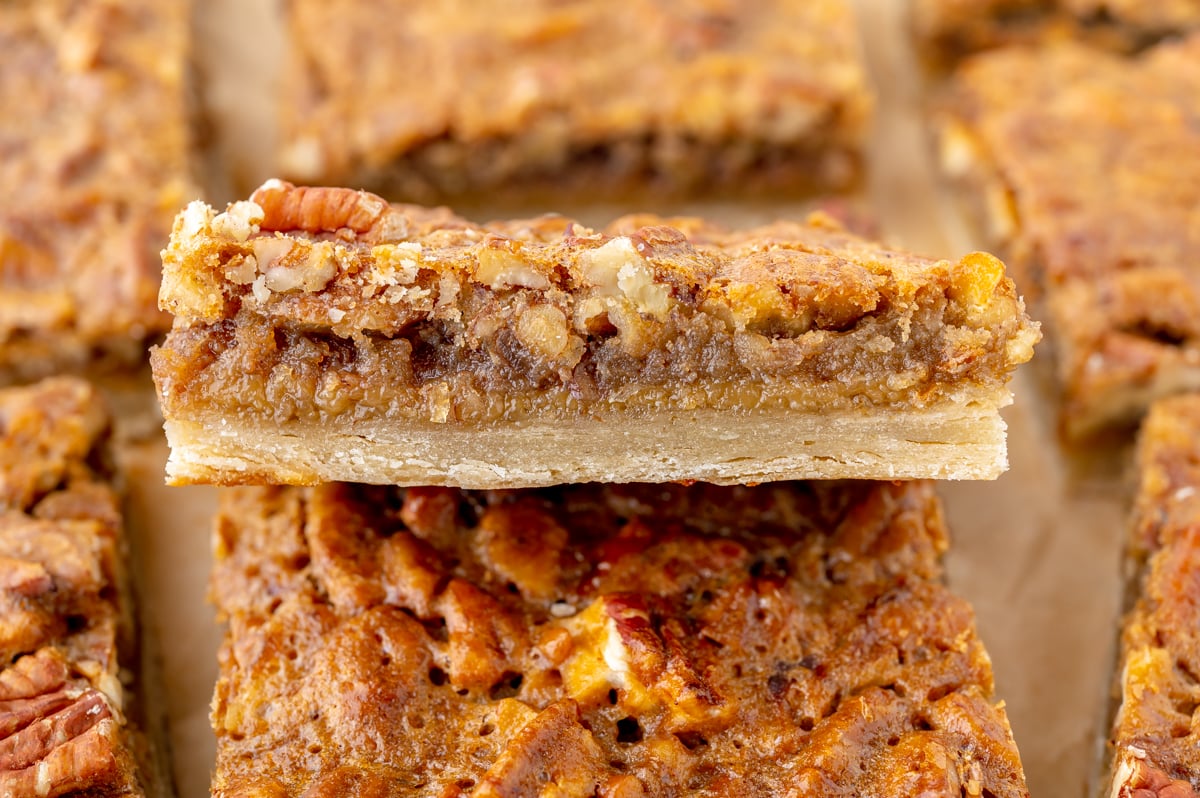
(598, 641)
(65, 627)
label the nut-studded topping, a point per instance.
(62, 731)
(316, 210)
(62, 743)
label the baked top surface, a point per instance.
(569, 82)
(1088, 162)
(65, 628)
(598, 640)
(412, 313)
(94, 165)
(952, 29)
(1155, 733)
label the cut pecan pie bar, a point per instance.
(66, 630)
(427, 100)
(1156, 735)
(323, 335)
(599, 640)
(1086, 169)
(93, 166)
(948, 30)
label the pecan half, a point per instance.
(317, 209)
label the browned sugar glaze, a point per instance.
(94, 162)
(790, 639)
(1156, 727)
(65, 630)
(948, 30)
(428, 100)
(1089, 164)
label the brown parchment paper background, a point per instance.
(1036, 552)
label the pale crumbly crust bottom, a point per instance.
(948, 442)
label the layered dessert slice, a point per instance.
(599, 640)
(1156, 734)
(322, 335)
(1086, 170)
(94, 167)
(948, 30)
(66, 631)
(425, 101)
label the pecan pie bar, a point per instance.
(423, 101)
(65, 619)
(948, 30)
(323, 335)
(599, 640)
(1086, 167)
(1156, 735)
(93, 166)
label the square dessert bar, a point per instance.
(94, 142)
(948, 30)
(598, 640)
(66, 628)
(424, 101)
(1086, 169)
(323, 335)
(1156, 734)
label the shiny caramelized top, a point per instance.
(368, 83)
(598, 641)
(1089, 160)
(952, 29)
(65, 627)
(1156, 736)
(94, 164)
(547, 305)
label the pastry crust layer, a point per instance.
(310, 309)
(94, 165)
(1155, 735)
(1084, 166)
(711, 446)
(66, 626)
(643, 640)
(573, 99)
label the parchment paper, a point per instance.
(1036, 552)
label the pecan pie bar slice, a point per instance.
(948, 30)
(1156, 734)
(66, 629)
(423, 101)
(323, 335)
(599, 640)
(1086, 167)
(93, 167)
